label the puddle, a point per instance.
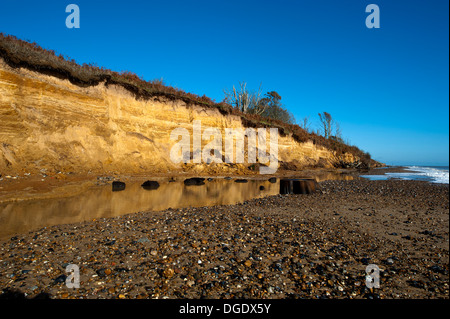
(375, 177)
(101, 201)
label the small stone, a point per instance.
(153, 253)
(190, 283)
(122, 296)
(101, 272)
(248, 263)
(168, 273)
(365, 261)
(438, 269)
(60, 279)
(143, 240)
(260, 276)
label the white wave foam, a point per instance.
(417, 173)
(435, 174)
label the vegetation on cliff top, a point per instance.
(19, 53)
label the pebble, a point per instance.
(169, 273)
(60, 279)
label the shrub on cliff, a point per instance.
(275, 110)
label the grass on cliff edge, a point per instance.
(19, 53)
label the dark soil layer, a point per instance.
(290, 246)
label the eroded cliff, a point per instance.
(49, 123)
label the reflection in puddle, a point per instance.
(102, 201)
(328, 176)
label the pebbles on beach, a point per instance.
(283, 246)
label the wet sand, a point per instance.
(281, 246)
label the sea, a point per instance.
(432, 174)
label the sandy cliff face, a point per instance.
(48, 123)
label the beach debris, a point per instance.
(118, 186)
(298, 186)
(150, 185)
(196, 181)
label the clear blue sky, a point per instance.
(387, 87)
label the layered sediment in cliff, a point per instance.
(49, 123)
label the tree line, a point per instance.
(269, 105)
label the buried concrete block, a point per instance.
(298, 186)
(149, 185)
(194, 181)
(118, 186)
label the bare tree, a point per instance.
(338, 131)
(245, 100)
(305, 124)
(326, 122)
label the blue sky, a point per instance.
(387, 87)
